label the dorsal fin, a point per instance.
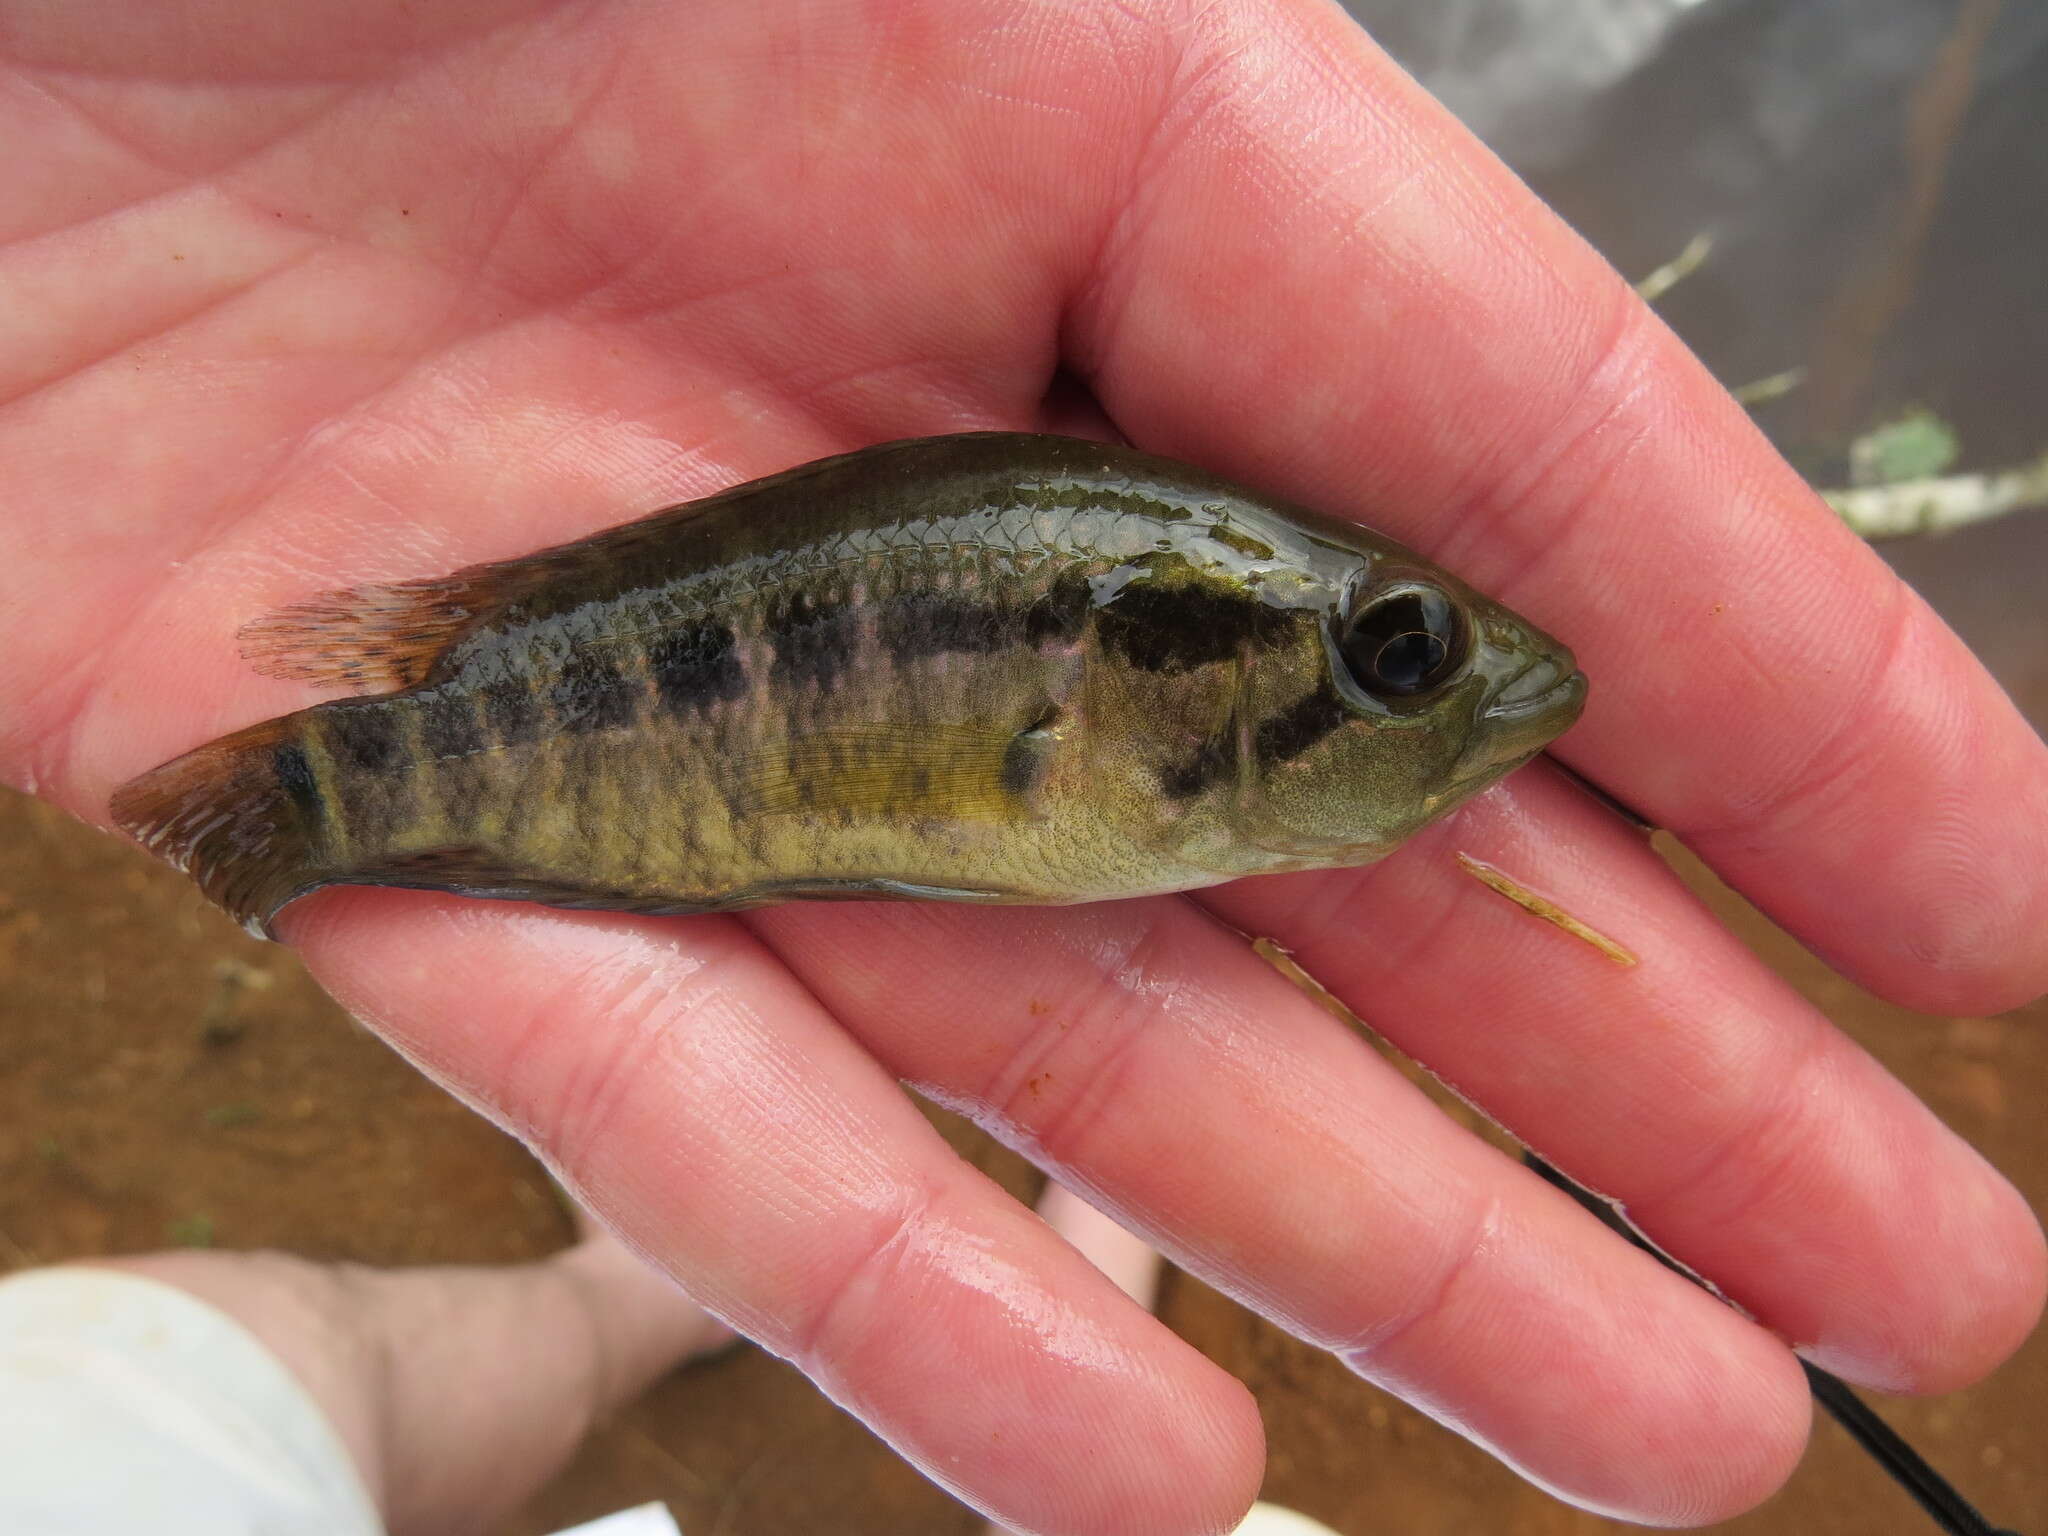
(374, 639)
(382, 637)
(387, 636)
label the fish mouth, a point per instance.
(1530, 710)
(1543, 689)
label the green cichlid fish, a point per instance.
(989, 667)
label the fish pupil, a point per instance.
(1405, 643)
(1405, 660)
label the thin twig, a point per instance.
(1940, 503)
(1763, 391)
(1677, 269)
(1549, 911)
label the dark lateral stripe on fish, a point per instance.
(458, 721)
(364, 738)
(916, 624)
(590, 693)
(511, 712)
(1061, 613)
(1300, 726)
(1212, 761)
(1173, 628)
(451, 723)
(697, 667)
(813, 642)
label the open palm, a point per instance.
(295, 297)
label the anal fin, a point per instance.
(877, 889)
(473, 872)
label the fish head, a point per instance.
(1407, 693)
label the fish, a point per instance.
(986, 667)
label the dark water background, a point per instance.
(1874, 174)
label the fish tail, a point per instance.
(240, 815)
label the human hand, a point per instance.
(303, 297)
(454, 1391)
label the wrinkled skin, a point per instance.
(296, 297)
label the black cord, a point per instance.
(1908, 1468)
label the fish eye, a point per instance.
(1405, 642)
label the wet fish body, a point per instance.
(991, 667)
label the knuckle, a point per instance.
(1072, 1068)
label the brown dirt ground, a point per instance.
(164, 1079)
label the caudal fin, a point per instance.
(239, 815)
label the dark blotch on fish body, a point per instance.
(1304, 723)
(919, 624)
(450, 725)
(592, 694)
(458, 721)
(511, 712)
(697, 667)
(1207, 765)
(295, 778)
(365, 738)
(1173, 627)
(1061, 614)
(813, 641)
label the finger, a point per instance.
(1322, 285)
(698, 1098)
(1148, 1058)
(1737, 1128)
